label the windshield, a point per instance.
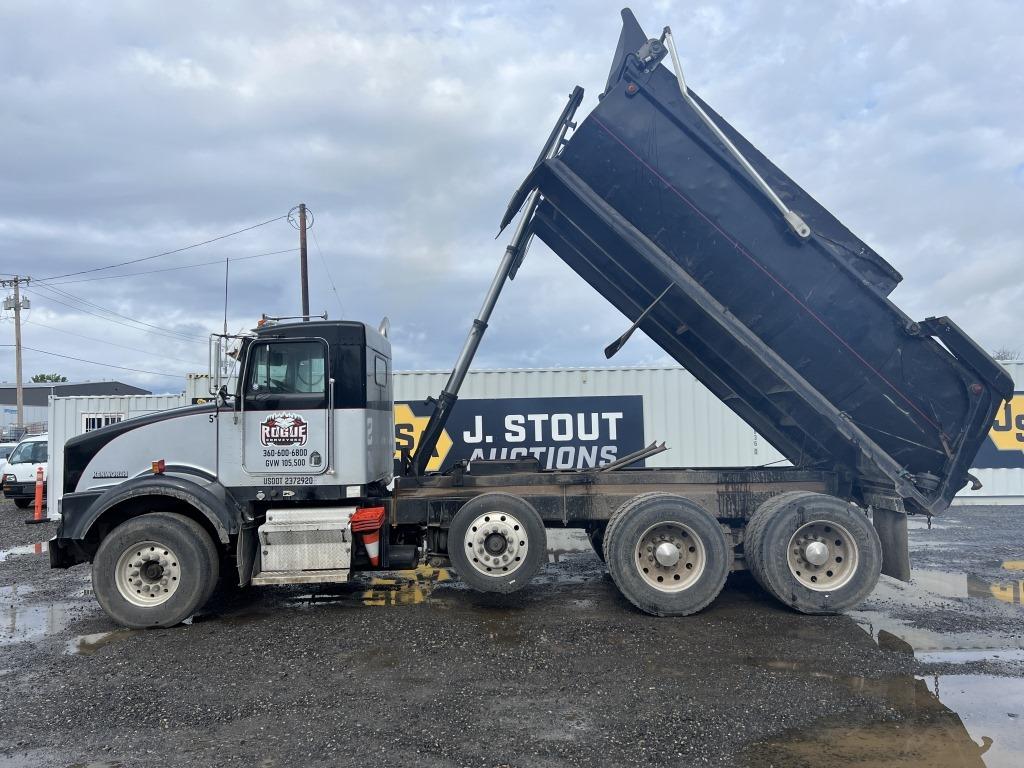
(29, 453)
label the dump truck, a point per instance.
(703, 244)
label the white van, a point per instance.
(5, 451)
(19, 476)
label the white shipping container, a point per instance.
(70, 416)
(699, 430)
(697, 427)
(1003, 484)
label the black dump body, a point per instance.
(796, 335)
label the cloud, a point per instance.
(130, 129)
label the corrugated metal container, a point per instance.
(197, 387)
(70, 416)
(699, 429)
(1000, 462)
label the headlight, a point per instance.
(9, 478)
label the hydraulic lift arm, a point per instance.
(506, 270)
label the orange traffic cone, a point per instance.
(367, 522)
(371, 540)
(40, 483)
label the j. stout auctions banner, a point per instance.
(561, 432)
(1004, 448)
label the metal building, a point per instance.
(36, 398)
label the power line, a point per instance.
(83, 310)
(328, 271)
(93, 362)
(172, 269)
(110, 343)
(158, 328)
(167, 253)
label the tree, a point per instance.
(43, 378)
(1006, 354)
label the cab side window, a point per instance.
(287, 373)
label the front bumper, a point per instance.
(26, 490)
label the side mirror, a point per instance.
(216, 354)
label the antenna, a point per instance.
(227, 267)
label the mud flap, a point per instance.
(245, 554)
(892, 532)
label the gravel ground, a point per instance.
(414, 669)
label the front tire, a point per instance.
(815, 553)
(667, 555)
(23, 503)
(155, 570)
(497, 542)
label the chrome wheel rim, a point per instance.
(147, 574)
(822, 555)
(670, 557)
(496, 544)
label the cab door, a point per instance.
(286, 408)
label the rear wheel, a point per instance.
(667, 555)
(497, 542)
(815, 553)
(154, 570)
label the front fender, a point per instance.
(208, 496)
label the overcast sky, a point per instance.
(127, 129)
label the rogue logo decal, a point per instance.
(284, 429)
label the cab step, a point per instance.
(332, 576)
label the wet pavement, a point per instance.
(412, 668)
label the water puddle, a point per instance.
(38, 548)
(87, 645)
(938, 721)
(19, 623)
(960, 585)
(395, 589)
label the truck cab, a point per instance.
(272, 472)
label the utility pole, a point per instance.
(303, 264)
(17, 305)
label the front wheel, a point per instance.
(23, 503)
(497, 542)
(154, 570)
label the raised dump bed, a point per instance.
(786, 318)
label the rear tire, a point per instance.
(497, 542)
(666, 554)
(815, 553)
(23, 503)
(155, 570)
